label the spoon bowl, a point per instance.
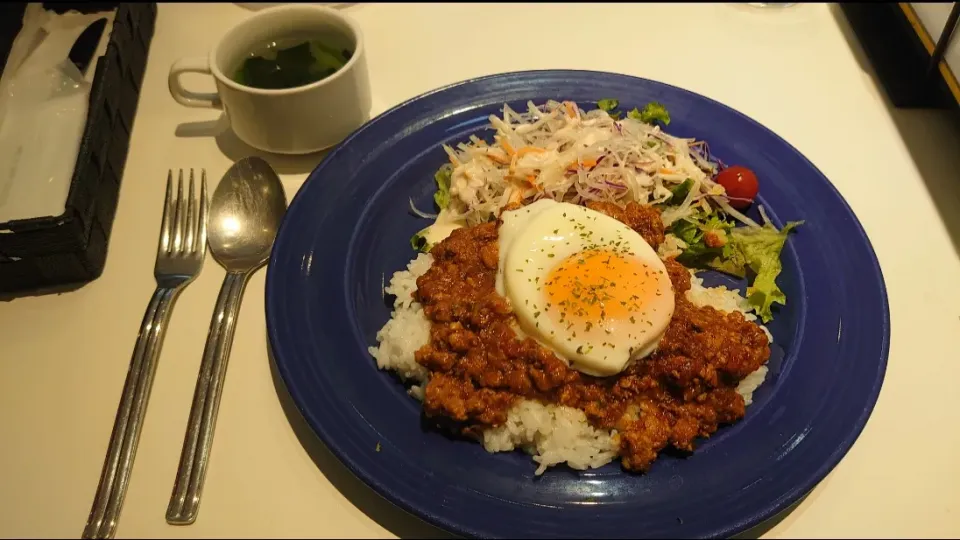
(245, 214)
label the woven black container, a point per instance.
(50, 252)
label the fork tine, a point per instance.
(178, 217)
(204, 208)
(191, 226)
(165, 224)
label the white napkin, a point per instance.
(43, 111)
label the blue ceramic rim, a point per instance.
(770, 510)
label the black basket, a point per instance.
(50, 252)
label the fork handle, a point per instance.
(185, 500)
(102, 522)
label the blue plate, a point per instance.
(350, 225)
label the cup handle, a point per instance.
(186, 97)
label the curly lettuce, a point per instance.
(651, 112)
(608, 104)
(706, 239)
(442, 178)
(761, 249)
(419, 242)
(715, 243)
(680, 192)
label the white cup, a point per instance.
(289, 121)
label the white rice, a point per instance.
(552, 434)
(408, 328)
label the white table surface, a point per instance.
(63, 358)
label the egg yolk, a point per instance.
(597, 286)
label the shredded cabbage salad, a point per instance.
(558, 150)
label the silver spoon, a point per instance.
(245, 214)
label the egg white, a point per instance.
(534, 240)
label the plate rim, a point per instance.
(775, 507)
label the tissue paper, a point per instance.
(43, 111)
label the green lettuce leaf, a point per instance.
(730, 261)
(760, 249)
(419, 242)
(696, 253)
(651, 112)
(680, 192)
(687, 231)
(743, 251)
(442, 196)
(693, 231)
(608, 104)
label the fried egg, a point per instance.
(583, 284)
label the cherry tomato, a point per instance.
(741, 185)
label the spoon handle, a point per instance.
(195, 455)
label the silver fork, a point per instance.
(180, 254)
